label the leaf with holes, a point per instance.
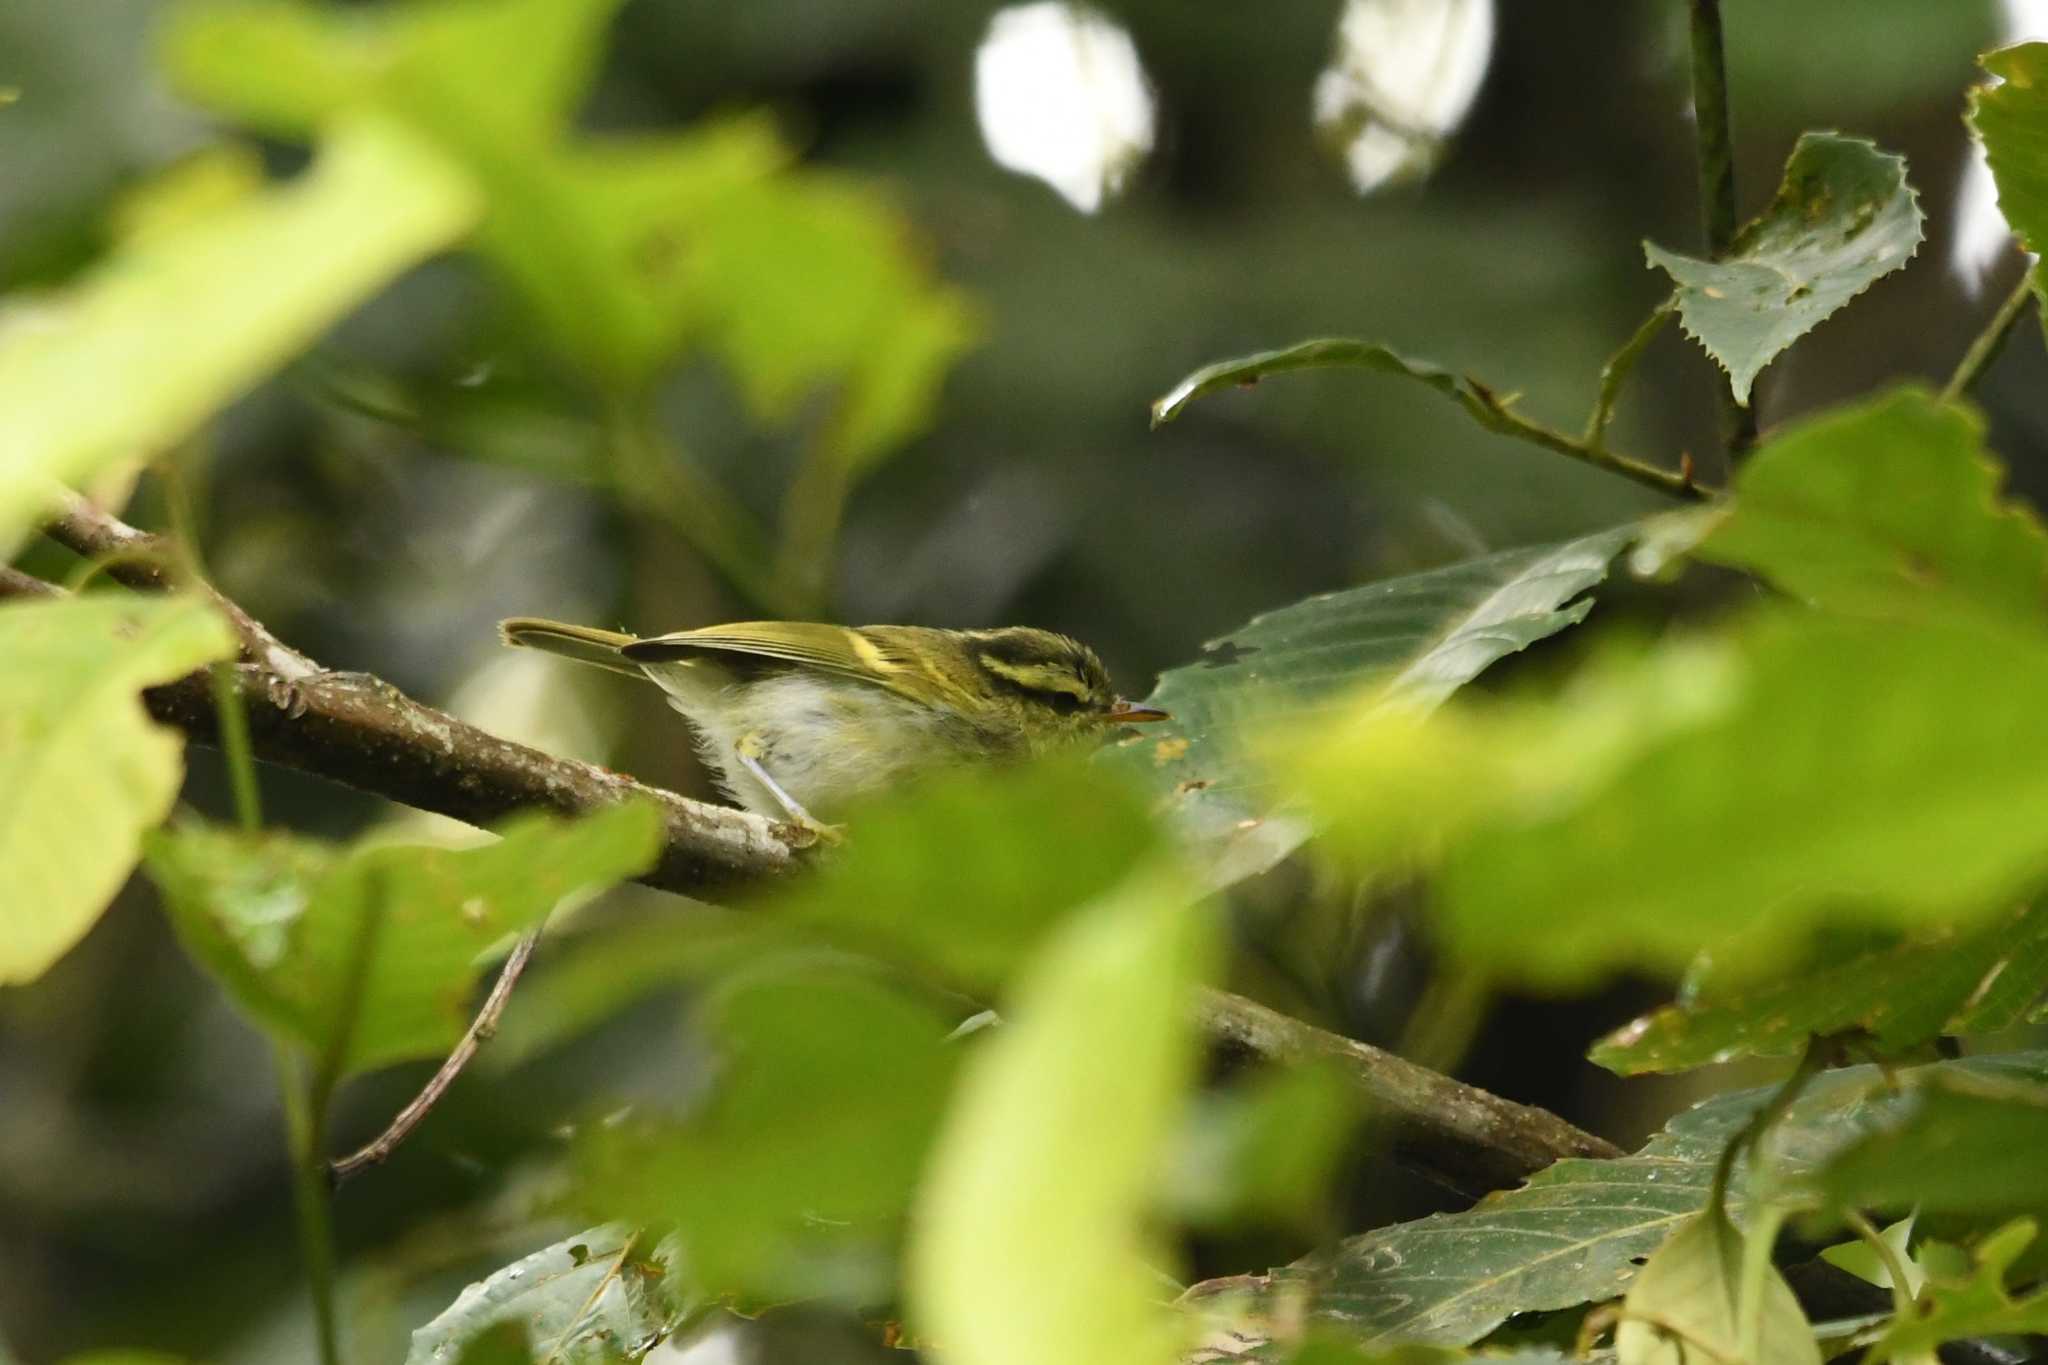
(603, 1295)
(1844, 217)
(1410, 641)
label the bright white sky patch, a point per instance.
(1061, 96)
(1402, 79)
(1982, 235)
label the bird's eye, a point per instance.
(1066, 703)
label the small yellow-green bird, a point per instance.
(794, 717)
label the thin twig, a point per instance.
(376, 1151)
(1992, 339)
(1619, 366)
(1811, 1063)
(1495, 414)
(1487, 406)
(1716, 147)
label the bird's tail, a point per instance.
(585, 644)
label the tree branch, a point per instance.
(1469, 1139)
(364, 733)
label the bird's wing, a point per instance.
(885, 656)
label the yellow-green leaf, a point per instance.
(2012, 118)
(1884, 507)
(190, 316)
(83, 770)
(370, 953)
(1686, 1305)
(1044, 1170)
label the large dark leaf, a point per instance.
(1409, 641)
(1574, 1234)
(1944, 985)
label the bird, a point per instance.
(796, 719)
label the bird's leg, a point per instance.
(748, 751)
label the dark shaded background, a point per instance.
(143, 1197)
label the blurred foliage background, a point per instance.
(428, 470)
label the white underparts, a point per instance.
(824, 739)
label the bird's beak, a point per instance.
(1130, 713)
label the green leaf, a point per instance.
(593, 238)
(1953, 1143)
(1409, 642)
(1493, 411)
(624, 248)
(788, 1180)
(1860, 1259)
(1979, 1306)
(1844, 217)
(597, 237)
(810, 281)
(584, 979)
(191, 316)
(960, 877)
(1688, 1305)
(1574, 1234)
(1043, 1174)
(1886, 504)
(83, 770)
(1322, 354)
(970, 871)
(517, 67)
(371, 953)
(600, 1296)
(1942, 985)
(1733, 792)
(2010, 117)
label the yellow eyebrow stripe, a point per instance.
(1037, 677)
